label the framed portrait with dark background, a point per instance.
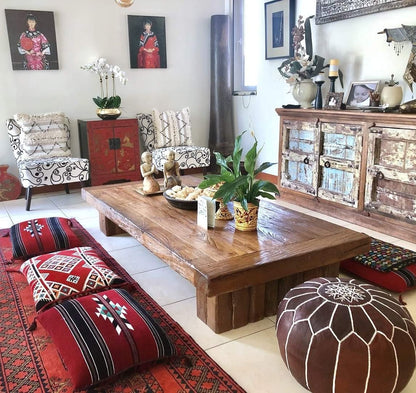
(147, 41)
(32, 40)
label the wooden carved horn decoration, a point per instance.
(124, 3)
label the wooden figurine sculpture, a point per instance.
(171, 172)
(148, 170)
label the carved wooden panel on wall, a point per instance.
(332, 10)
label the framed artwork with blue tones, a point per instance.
(279, 21)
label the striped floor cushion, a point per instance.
(99, 336)
(42, 235)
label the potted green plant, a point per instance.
(241, 188)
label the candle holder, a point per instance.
(318, 98)
(332, 86)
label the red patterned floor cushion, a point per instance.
(42, 235)
(399, 280)
(339, 335)
(67, 273)
(104, 334)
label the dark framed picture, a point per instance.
(359, 95)
(332, 10)
(32, 40)
(279, 21)
(147, 41)
(333, 101)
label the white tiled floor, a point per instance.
(249, 354)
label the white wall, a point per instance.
(363, 55)
(86, 29)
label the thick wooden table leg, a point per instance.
(231, 310)
(108, 227)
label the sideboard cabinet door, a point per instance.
(391, 172)
(339, 162)
(300, 152)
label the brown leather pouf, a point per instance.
(346, 336)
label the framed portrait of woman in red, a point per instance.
(147, 40)
(32, 40)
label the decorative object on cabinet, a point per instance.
(107, 105)
(357, 166)
(408, 107)
(301, 66)
(304, 93)
(113, 149)
(392, 94)
(333, 101)
(299, 69)
(398, 36)
(279, 18)
(188, 155)
(319, 81)
(359, 94)
(240, 187)
(333, 73)
(41, 147)
(10, 187)
(30, 48)
(147, 41)
(333, 10)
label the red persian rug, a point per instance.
(29, 361)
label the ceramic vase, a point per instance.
(108, 113)
(391, 96)
(304, 92)
(245, 220)
(10, 187)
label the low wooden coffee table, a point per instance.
(240, 277)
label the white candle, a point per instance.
(333, 67)
(320, 77)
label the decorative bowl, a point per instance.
(181, 203)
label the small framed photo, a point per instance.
(333, 101)
(279, 21)
(359, 95)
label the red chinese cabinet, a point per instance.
(113, 148)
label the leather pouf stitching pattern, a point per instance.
(342, 336)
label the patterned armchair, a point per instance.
(41, 146)
(169, 130)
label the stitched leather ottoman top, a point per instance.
(343, 336)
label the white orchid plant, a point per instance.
(104, 72)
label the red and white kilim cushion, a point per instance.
(343, 336)
(67, 273)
